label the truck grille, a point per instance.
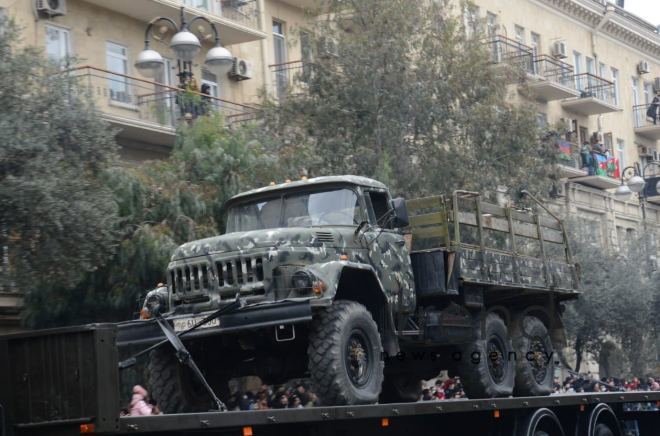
(229, 273)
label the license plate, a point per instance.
(182, 324)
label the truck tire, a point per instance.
(532, 343)
(401, 388)
(172, 386)
(345, 355)
(481, 375)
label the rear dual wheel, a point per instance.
(486, 369)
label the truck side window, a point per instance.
(380, 206)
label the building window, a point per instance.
(519, 34)
(615, 81)
(491, 23)
(211, 80)
(607, 140)
(116, 59)
(199, 4)
(58, 44)
(471, 16)
(635, 98)
(306, 56)
(577, 66)
(648, 92)
(542, 120)
(279, 50)
(536, 49)
(620, 146)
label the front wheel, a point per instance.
(345, 355)
(486, 368)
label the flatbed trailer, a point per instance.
(67, 382)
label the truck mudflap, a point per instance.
(141, 332)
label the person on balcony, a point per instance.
(653, 110)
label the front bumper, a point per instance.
(144, 332)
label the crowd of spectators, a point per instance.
(573, 384)
(274, 397)
(300, 395)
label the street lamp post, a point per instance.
(635, 183)
(185, 46)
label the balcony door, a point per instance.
(279, 50)
(577, 66)
(116, 58)
(635, 98)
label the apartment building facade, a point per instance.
(101, 40)
(592, 70)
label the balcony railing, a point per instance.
(139, 100)
(554, 70)
(245, 12)
(647, 120)
(594, 86)
(290, 77)
(512, 52)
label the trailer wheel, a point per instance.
(485, 369)
(401, 388)
(534, 371)
(172, 385)
(345, 355)
(541, 422)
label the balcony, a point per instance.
(290, 78)
(552, 79)
(506, 51)
(568, 161)
(602, 171)
(148, 112)
(237, 20)
(644, 125)
(596, 96)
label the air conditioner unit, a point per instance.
(644, 150)
(50, 8)
(241, 70)
(643, 67)
(559, 50)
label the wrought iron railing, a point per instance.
(148, 101)
(591, 85)
(554, 70)
(646, 115)
(290, 77)
(245, 12)
(506, 50)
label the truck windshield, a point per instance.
(332, 207)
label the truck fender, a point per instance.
(359, 282)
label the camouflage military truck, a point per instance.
(365, 295)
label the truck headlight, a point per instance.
(302, 281)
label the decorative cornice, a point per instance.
(619, 24)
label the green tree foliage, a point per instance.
(396, 89)
(617, 305)
(161, 205)
(57, 215)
